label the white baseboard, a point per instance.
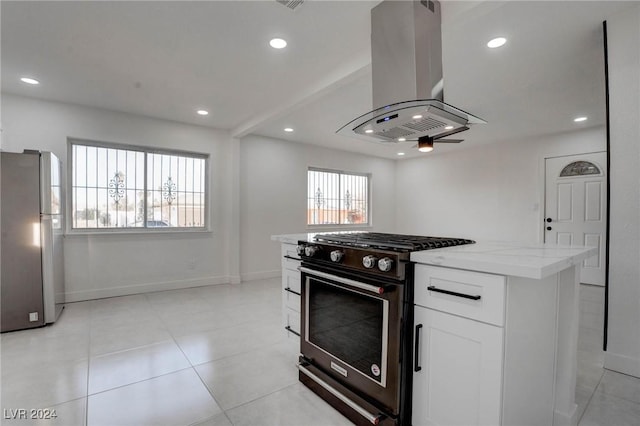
(566, 419)
(262, 275)
(622, 364)
(101, 293)
(82, 295)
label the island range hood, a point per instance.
(408, 89)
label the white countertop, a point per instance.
(528, 260)
(294, 238)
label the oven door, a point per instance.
(351, 331)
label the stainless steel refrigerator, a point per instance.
(31, 206)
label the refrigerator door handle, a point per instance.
(50, 185)
(46, 246)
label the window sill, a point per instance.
(143, 231)
(337, 228)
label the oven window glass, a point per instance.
(347, 325)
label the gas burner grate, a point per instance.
(395, 242)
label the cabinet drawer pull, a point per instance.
(291, 330)
(291, 291)
(454, 293)
(292, 258)
(416, 357)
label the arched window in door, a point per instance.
(580, 168)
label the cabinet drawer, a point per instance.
(290, 258)
(292, 320)
(468, 294)
(291, 300)
(290, 264)
(291, 281)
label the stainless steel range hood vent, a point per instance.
(406, 61)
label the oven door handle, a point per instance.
(353, 283)
(372, 418)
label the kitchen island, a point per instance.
(529, 319)
(496, 328)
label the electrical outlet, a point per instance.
(33, 316)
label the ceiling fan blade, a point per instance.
(448, 140)
(450, 132)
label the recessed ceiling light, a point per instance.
(579, 119)
(400, 154)
(402, 139)
(417, 117)
(449, 128)
(369, 131)
(29, 80)
(202, 112)
(288, 129)
(278, 43)
(496, 42)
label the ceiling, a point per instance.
(166, 59)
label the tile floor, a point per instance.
(604, 397)
(214, 356)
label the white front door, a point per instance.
(575, 207)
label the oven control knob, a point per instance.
(300, 249)
(385, 264)
(337, 256)
(369, 261)
(311, 251)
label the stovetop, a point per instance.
(376, 253)
(393, 242)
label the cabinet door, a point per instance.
(460, 370)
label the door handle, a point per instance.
(549, 228)
(416, 355)
(357, 284)
(549, 219)
(371, 417)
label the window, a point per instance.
(116, 186)
(580, 168)
(337, 198)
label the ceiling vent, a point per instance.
(291, 4)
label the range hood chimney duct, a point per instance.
(406, 52)
(408, 89)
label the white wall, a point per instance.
(623, 352)
(108, 265)
(258, 188)
(273, 190)
(492, 192)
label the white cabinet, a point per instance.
(290, 290)
(460, 370)
(468, 294)
(458, 358)
(487, 348)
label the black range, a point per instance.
(357, 321)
